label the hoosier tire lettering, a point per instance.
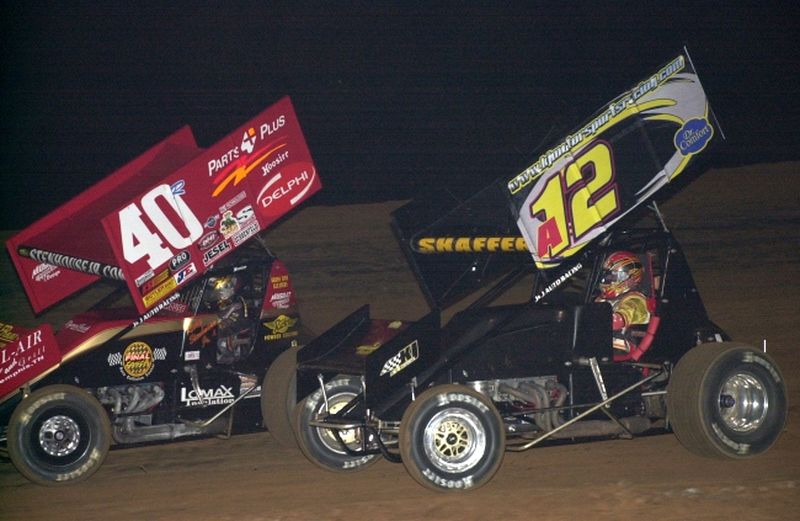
(59, 434)
(451, 438)
(320, 445)
(727, 400)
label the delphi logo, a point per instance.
(249, 140)
(286, 188)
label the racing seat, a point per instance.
(642, 335)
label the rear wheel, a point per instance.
(727, 400)
(452, 438)
(279, 397)
(322, 446)
(58, 434)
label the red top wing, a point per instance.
(171, 213)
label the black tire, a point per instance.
(59, 434)
(279, 397)
(320, 445)
(452, 438)
(727, 400)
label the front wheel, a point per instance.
(279, 396)
(727, 400)
(322, 446)
(452, 438)
(58, 434)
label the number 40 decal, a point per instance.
(140, 241)
(575, 200)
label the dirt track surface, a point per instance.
(741, 231)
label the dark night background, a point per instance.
(392, 100)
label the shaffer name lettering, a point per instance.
(470, 244)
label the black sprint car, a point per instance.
(448, 402)
(613, 339)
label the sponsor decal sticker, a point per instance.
(154, 282)
(177, 307)
(249, 140)
(7, 334)
(24, 354)
(234, 166)
(281, 300)
(76, 263)
(79, 328)
(144, 277)
(558, 282)
(137, 360)
(280, 328)
(693, 136)
(401, 360)
(185, 274)
(246, 233)
(211, 222)
(44, 272)
(208, 240)
(286, 188)
(180, 260)
(160, 292)
(219, 396)
(279, 282)
(229, 224)
(216, 251)
(249, 387)
(267, 167)
(233, 202)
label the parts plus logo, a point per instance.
(233, 166)
(237, 172)
(249, 140)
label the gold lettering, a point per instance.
(426, 245)
(444, 244)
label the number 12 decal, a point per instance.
(140, 241)
(575, 200)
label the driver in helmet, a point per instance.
(620, 284)
(233, 329)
